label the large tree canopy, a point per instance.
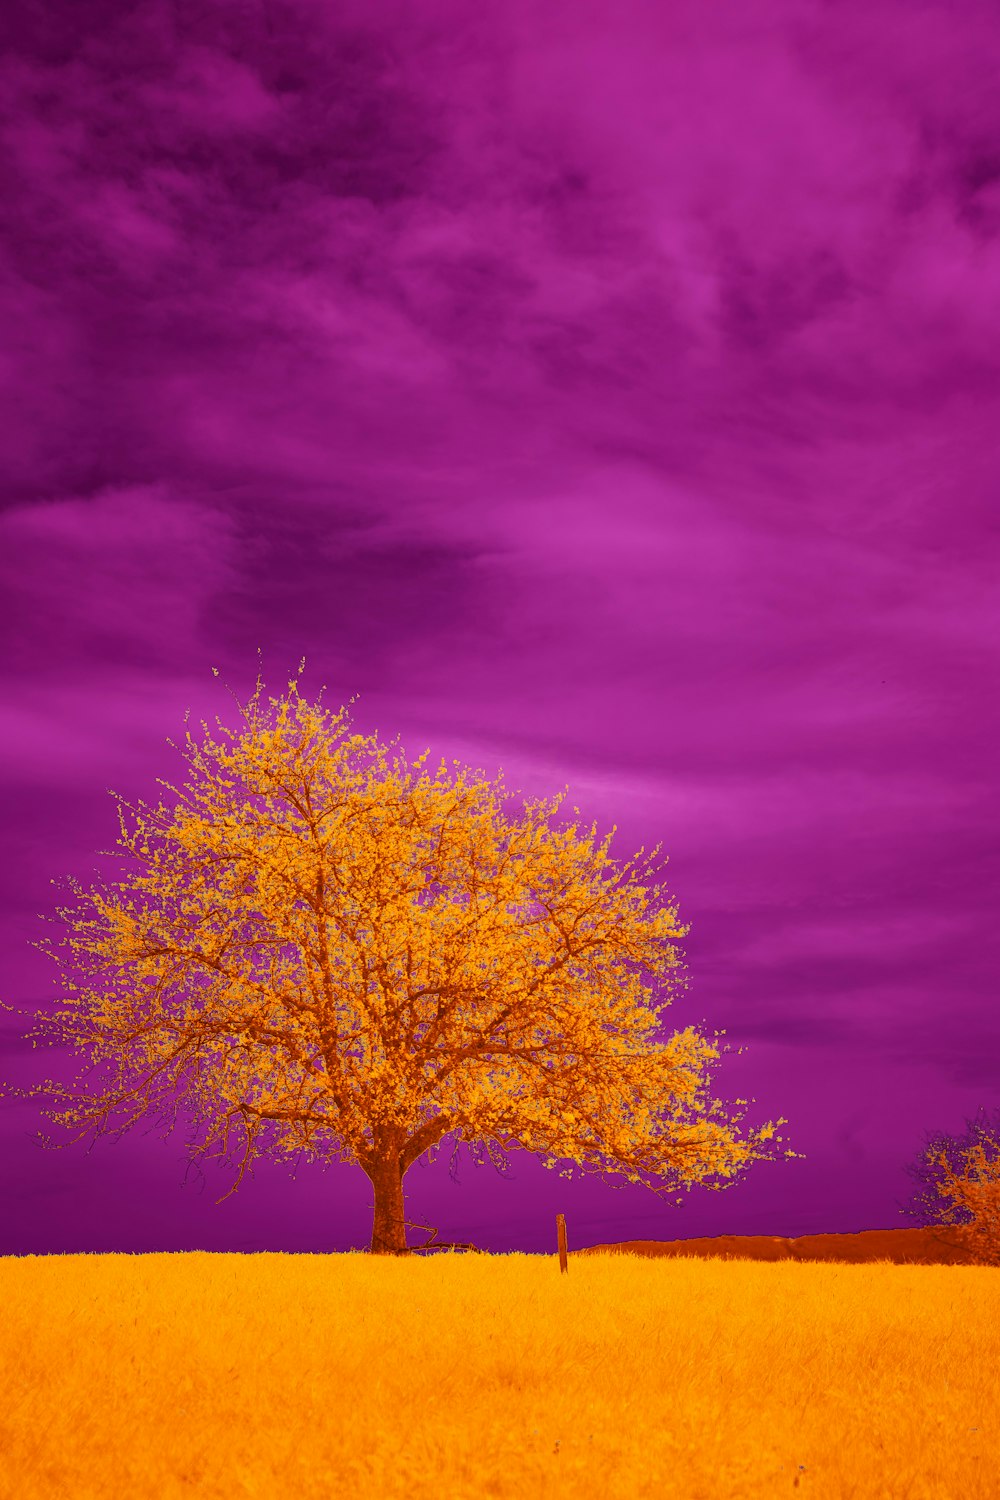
(351, 958)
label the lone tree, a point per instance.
(362, 960)
(960, 1177)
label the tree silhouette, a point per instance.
(331, 954)
(960, 1181)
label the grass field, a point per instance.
(266, 1376)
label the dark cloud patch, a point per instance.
(764, 305)
(812, 1031)
(323, 583)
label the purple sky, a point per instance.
(603, 391)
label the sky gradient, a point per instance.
(603, 392)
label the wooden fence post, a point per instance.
(561, 1234)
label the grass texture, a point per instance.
(259, 1377)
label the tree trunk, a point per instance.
(388, 1224)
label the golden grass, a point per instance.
(256, 1377)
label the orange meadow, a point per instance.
(256, 1377)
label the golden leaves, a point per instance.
(330, 939)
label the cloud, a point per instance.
(125, 575)
(425, 246)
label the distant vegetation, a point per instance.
(960, 1178)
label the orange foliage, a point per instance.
(976, 1191)
(363, 958)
